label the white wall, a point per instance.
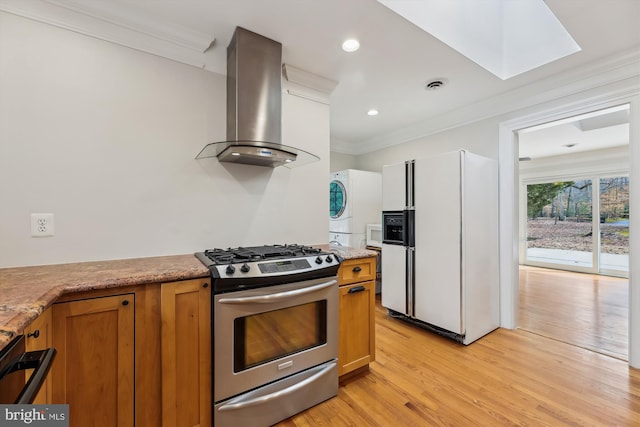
(478, 138)
(341, 161)
(104, 137)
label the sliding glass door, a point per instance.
(579, 225)
(559, 224)
(614, 225)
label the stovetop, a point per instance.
(259, 253)
(256, 266)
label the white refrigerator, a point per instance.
(440, 243)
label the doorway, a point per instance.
(574, 215)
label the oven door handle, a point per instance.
(40, 361)
(280, 393)
(263, 299)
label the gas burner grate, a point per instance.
(258, 253)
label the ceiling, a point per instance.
(596, 130)
(389, 71)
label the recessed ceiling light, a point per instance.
(372, 112)
(350, 45)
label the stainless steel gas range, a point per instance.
(275, 331)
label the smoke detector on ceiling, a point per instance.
(435, 84)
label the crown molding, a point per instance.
(339, 146)
(307, 85)
(101, 20)
(307, 79)
(623, 68)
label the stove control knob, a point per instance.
(329, 259)
(319, 260)
(245, 268)
(230, 269)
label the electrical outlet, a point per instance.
(41, 224)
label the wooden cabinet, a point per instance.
(186, 353)
(357, 270)
(38, 337)
(139, 355)
(94, 368)
(356, 330)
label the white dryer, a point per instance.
(339, 208)
(354, 240)
(355, 200)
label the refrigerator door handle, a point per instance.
(407, 185)
(409, 191)
(410, 280)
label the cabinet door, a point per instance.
(38, 337)
(356, 326)
(93, 370)
(186, 353)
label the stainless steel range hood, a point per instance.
(254, 106)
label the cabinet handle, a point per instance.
(205, 285)
(34, 334)
(357, 269)
(125, 302)
(356, 289)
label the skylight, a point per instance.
(506, 37)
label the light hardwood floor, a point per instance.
(587, 310)
(509, 377)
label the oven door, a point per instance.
(14, 361)
(262, 335)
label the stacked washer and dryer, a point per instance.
(355, 200)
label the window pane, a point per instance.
(614, 223)
(559, 224)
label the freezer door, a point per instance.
(393, 187)
(438, 237)
(394, 278)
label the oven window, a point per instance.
(260, 338)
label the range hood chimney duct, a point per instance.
(254, 105)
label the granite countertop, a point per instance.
(25, 292)
(347, 252)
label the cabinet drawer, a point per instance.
(357, 270)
